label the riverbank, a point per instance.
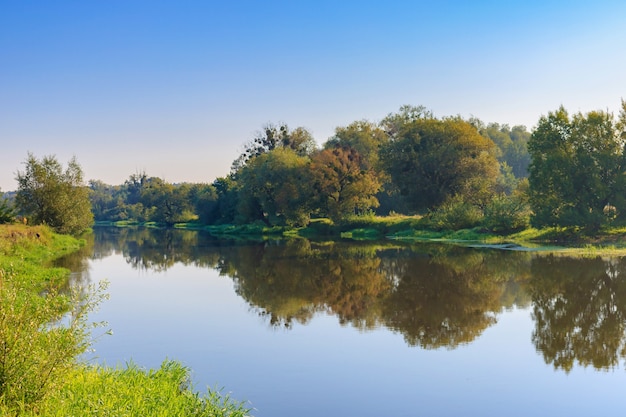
(44, 329)
(570, 241)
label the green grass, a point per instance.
(44, 329)
(135, 392)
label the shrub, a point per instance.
(455, 214)
(506, 214)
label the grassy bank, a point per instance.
(572, 240)
(44, 329)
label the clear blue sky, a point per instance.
(175, 88)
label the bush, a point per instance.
(506, 214)
(455, 214)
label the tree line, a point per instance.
(411, 162)
(458, 173)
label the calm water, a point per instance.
(302, 328)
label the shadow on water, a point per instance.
(435, 295)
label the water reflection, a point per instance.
(434, 295)
(579, 308)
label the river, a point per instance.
(306, 328)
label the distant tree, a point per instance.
(106, 201)
(576, 173)
(340, 184)
(432, 160)
(134, 185)
(205, 202)
(395, 123)
(227, 190)
(364, 137)
(274, 188)
(7, 212)
(512, 145)
(50, 195)
(271, 137)
(168, 203)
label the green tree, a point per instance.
(106, 201)
(432, 160)
(275, 188)
(50, 195)
(204, 199)
(170, 203)
(363, 136)
(576, 171)
(340, 185)
(512, 145)
(273, 137)
(7, 212)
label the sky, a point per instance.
(176, 88)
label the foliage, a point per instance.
(455, 214)
(342, 187)
(132, 391)
(432, 160)
(274, 189)
(107, 202)
(506, 214)
(273, 137)
(7, 212)
(511, 143)
(42, 329)
(364, 137)
(577, 168)
(171, 203)
(47, 194)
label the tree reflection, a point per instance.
(293, 280)
(451, 297)
(579, 307)
(434, 295)
(432, 299)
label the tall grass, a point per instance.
(136, 392)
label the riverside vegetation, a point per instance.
(443, 174)
(44, 330)
(411, 176)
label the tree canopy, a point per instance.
(51, 195)
(577, 169)
(431, 160)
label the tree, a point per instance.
(7, 212)
(341, 187)
(363, 136)
(167, 202)
(432, 160)
(106, 201)
(274, 188)
(273, 137)
(50, 195)
(511, 143)
(576, 173)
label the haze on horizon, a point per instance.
(176, 88)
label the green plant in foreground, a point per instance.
(40, 338)
(44, 331)
(135, 392)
